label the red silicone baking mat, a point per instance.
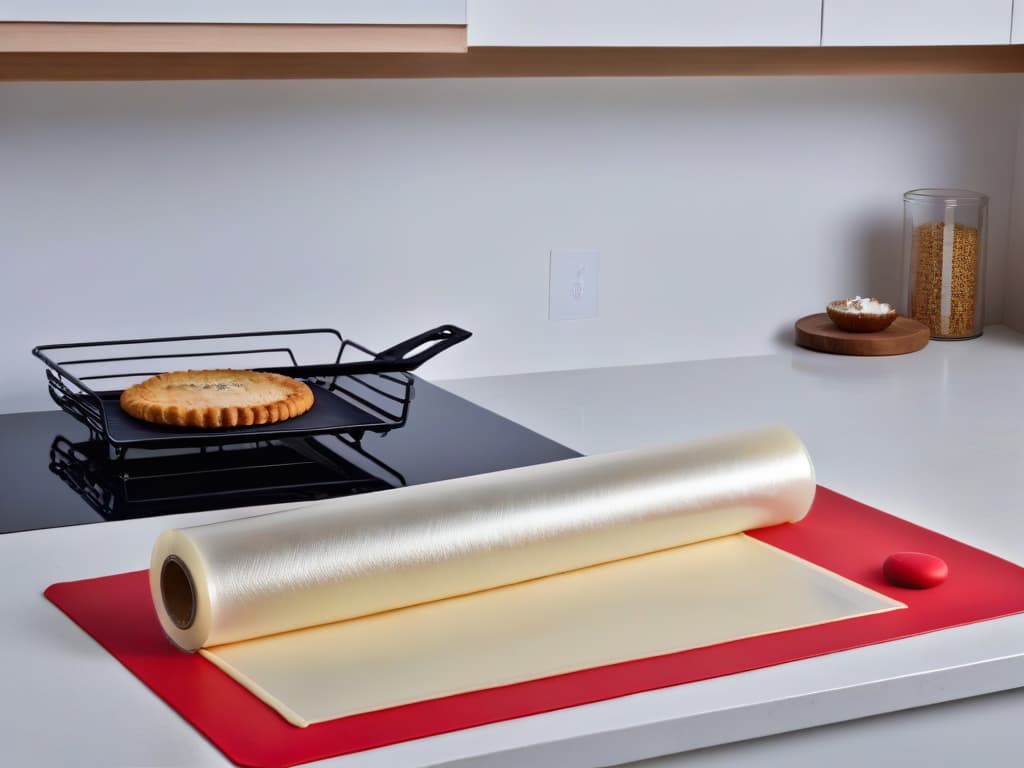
(840, 534)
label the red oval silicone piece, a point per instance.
(916, 570)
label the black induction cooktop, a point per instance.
(55, 475)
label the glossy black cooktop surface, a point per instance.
(54, 475)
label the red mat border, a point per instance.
(840, 534)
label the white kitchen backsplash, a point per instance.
(1013, 288)
(722, 208)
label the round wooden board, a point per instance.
(818, 332)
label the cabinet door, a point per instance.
(1018, 23)
(644, 22)
(239, 11)
(916, 22)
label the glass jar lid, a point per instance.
(948, 197)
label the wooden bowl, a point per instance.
(853, 321)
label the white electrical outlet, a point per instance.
(573, 285)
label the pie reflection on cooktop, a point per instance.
(54, 476)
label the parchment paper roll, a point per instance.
(355, 556)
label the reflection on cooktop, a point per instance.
(146, 483)
(56, 475)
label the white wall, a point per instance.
(1013, 295)
(723, 208)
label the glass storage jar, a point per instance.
(944, 239)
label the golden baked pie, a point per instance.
(218, 398)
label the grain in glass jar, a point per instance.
(944, 260)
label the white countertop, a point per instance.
(934, 437)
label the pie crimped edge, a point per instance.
(217, 398)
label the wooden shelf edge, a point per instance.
(81, 38)
(511, 62)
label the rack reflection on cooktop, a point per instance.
(145, 483)
(56, 475)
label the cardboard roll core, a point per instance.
(178, 592)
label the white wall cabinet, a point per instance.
(655, 23)
(1017, 35)
(239, 11)
(916, 22)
